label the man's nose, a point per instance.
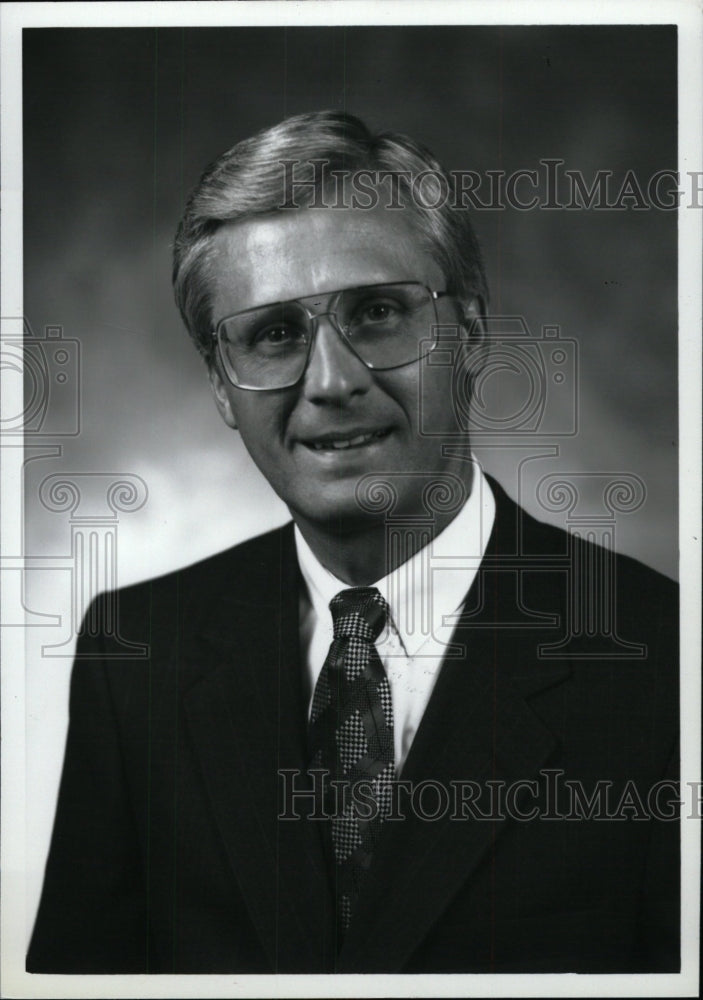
(334, 373)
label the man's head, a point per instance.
(299, 162)
(254, 233)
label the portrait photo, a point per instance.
(350, 617)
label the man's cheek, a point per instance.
(436, 413)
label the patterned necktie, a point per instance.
(351, 735)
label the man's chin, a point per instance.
(337, 515)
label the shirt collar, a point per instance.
(449, 564)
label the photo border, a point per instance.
(689, 18)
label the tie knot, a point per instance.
(359, 612)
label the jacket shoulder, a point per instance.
(245, 572)
(540, 538)
(587, 584)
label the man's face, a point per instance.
(289, 432)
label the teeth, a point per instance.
(345, 443)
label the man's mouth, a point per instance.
(345, 442)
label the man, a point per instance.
(345, 751)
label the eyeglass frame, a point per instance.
(332, 313)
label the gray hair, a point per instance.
(250, 179)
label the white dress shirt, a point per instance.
(423, 616)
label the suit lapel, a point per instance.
(247, 719)
(477, 727)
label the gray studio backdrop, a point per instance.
(119, 123)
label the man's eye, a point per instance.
(280, 335)
(380, 311)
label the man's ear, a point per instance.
(474, 320)
(222, 401)
(476, 330)
(475, 345)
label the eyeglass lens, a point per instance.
(385, 326)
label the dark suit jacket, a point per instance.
(168, 854)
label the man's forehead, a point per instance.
(290, 254)
(334, 228)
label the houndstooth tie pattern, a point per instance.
(351, 735)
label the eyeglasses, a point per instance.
(385, 326)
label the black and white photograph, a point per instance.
(351, 528)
